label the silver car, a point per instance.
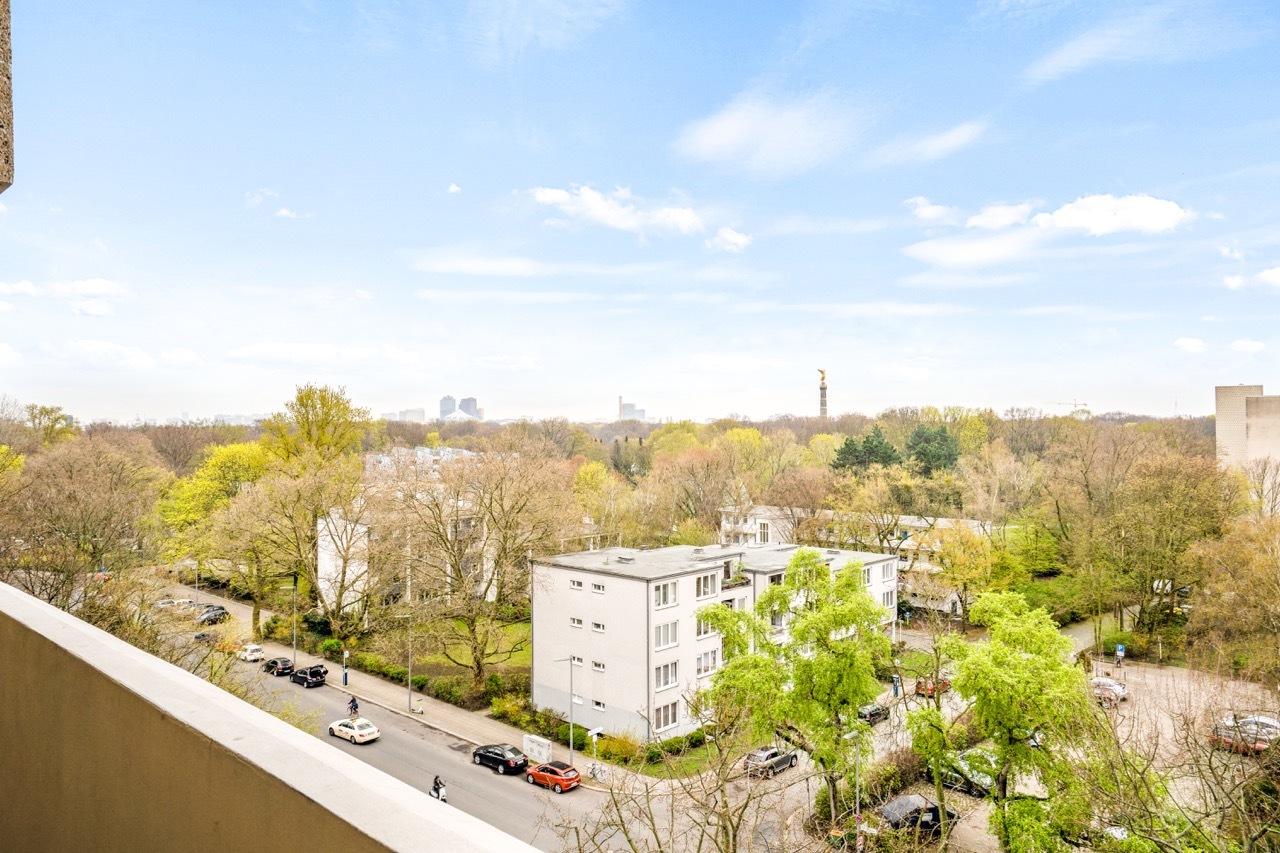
(1117, 690)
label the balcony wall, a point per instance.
(108, 748)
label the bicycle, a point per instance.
(597, 771)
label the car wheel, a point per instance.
(502, 770)
(769, 771)
(792, 762)
(476, 759)
(556, 787)
(332, 733)
(353, 739)
(529, 778)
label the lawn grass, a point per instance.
(522, 659)
(697, 760)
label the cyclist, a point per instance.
(353, 707)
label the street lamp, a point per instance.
(295, 619)
(409, 679)
(570, 660)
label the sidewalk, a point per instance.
(470, 726)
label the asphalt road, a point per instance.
(415, 753)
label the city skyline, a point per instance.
(994, 204)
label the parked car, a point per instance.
(213, 616)
(1268, 726)
(768, 760)
(556, 775)
(502, 757)
(971, 772)
(1242, 736)
(358, 730)
(209, 637)
(251, 653)
(278, 666)
(928, 686)
(914, 812)
(1102, 686)
(163, 603)
(309, 676)
(873, 713)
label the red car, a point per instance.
(1244, 738)
(927, 686)
(556, 775)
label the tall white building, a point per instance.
(1246, 423)
(621, 620)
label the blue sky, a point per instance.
(549, 204)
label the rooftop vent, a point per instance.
(832, 551)
(697, 550)
(626, 559)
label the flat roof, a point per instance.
(680, 560)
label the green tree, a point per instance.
(849, 456)
(876, 449)
(49, 424)
(935, 448)
(804, 686)
(190, 501)
(1020, 679)
(320, 422)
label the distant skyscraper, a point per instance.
(469, 406)
(447, 406)
(414, 416)
(629, 412)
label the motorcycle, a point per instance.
(440, 793)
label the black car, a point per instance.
(278, 666)
(309, 676)
(916, 813)
(502, 757)
(213, 616)
(873, 713)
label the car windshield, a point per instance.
(364, 727)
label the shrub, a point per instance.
(546, 722)
(276, 628)
(451, 689)
(620, 748)
(315, 622)
(695, 739)
(822, 803)
(510, 709)
(894, 771)
(494, 685)
(1135, 646)
(395, 672)
(420, 682)
(653, 753)
(331, 649)
(580, 739)
(674, 745)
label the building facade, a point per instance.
(470, 406)
(447, 405)
(620, 624)
(1246, 423)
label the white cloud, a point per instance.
(1106, 214)
(616, 211)
(92, 307)
(454, 189)
(1271, 276)
(3, 209)
(996, 216)
(93, 287)
(728, 240)
(927, 211)
(506, 28)
(5, 306)
(286, 213)
(1233, 282)
(363, 294)
(1168, 32)
(464, 262)
(107, 353)
(285, 352)
(181, 357)
(960, 281)
(926, 149)
(971, 251)
(1189, 344)
(253, 199)
(701, 297)
(1248, 346)
(18, 288)
(507, 297)
(1211, 318)
(1231, 254)
(9, 356)
(771, 138)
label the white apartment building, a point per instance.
(1246, 423)
(620, 623)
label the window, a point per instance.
(704, 586)
(597, 666)
(777, 619)
(866, 576)
(666, 716)
(775, 580)
(666, 675)
(597, 626)
(577, 700)
(597, 704)
(575, 622)
(664, 594)
(575, 660)
(887, 599)
(887, 571)
(708, 662)
(705, 629)
(575, 584)
(764, 532)
(666, 634)
(597, 587)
